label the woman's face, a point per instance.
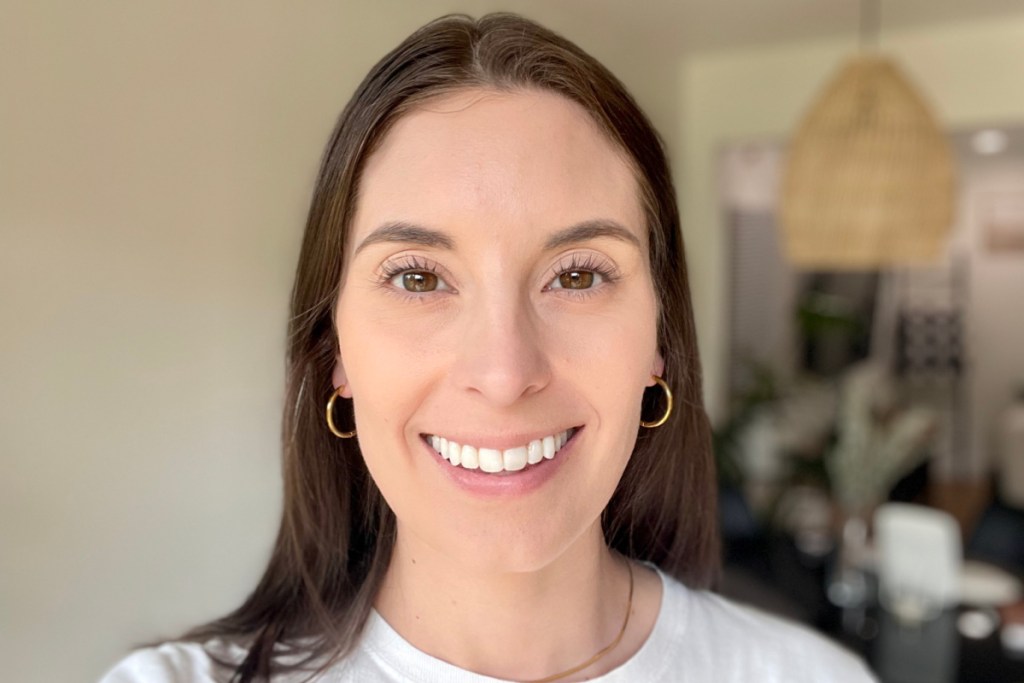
(496, 301)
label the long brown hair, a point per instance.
(337, 533)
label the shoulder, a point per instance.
(752, 645)
(175, 662)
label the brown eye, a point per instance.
(576, 279)
(419, 281)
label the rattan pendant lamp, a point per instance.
(869, 179)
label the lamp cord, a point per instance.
(870, 24)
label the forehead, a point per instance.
(497, 160)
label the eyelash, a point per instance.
(409, 264)
(587, 263)
(406, 264)
(574, 262)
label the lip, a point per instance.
(506, 484)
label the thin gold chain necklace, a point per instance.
(603, 651)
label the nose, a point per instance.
(502, 356)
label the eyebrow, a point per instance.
(581, 232)
(409, 233)
(589, 230)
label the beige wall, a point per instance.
(155, 164)
(973, 73)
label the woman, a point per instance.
(497, 464)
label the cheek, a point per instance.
(608, 360)
(612, 352)
(385, 392)
(386, 349)
(383, 389)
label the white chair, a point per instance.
(919, 560)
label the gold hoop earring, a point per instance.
(330, 416)
(668, 405)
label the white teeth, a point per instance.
(492, 460)
(515, 459)
(470, 459)
(534, 452)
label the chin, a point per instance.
(517, 540)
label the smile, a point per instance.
(492, 460)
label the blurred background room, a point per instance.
(855, 236)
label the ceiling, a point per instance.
(688, 26)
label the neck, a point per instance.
(485, 620)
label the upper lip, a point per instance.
(498, 442)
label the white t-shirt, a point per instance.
(699, 637)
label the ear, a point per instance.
(657, 368)
(340, 378)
